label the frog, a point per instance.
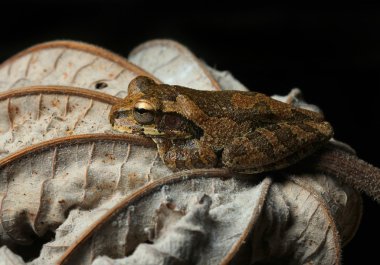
(243, 131)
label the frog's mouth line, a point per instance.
(124, 129)
(137, 129)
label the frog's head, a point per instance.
(150, 109)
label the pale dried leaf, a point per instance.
(226, 80)
(40, 184)
(32, 115)
(302, 220)
(75, 224)
(181, 241)
(166, 215)
(343, 202)
(235, 207)
(295, 98)
(7, 257)
(69, 63)
(174, 64)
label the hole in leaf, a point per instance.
(101, 85)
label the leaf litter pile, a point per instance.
(75, 192)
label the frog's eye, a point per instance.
(143, 113)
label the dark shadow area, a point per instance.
(30, 252)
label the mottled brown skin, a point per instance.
(243, 131)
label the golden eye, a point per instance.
(143, 112)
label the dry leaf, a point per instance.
(32, 115)
(106, 194)
(173, 63)
(296, 99)
(7, 257)
(226, 80)
(77, 223)
(343, 203)
(182, 241)
(69, 63)
(304, 220)
(40, 184)
(227, 225)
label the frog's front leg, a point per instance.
(185, 154)
(275, 146)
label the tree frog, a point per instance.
(246, 132)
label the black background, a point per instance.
(333, 55)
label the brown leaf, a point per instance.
(69, 63)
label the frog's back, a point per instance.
(243, 106)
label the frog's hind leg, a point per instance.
(275, 146)
(280, 164)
